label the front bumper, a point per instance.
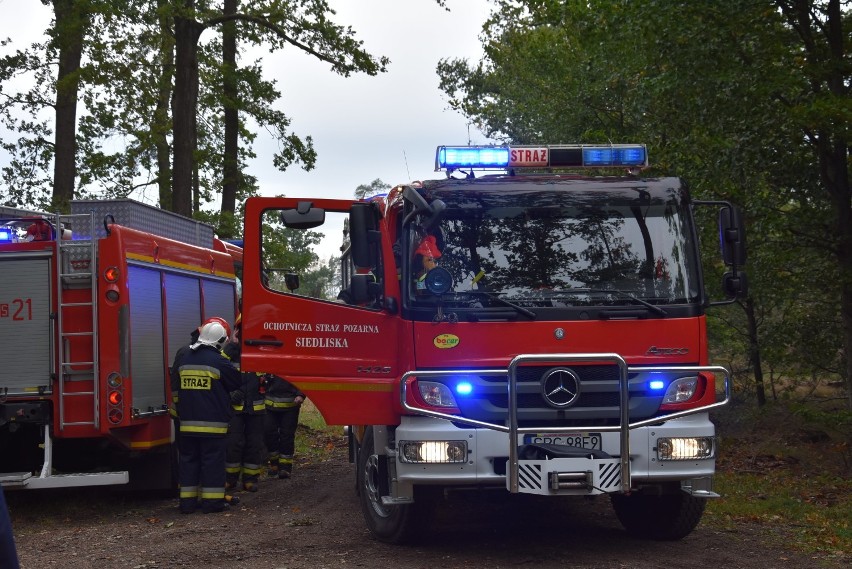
(487, 456)
(494, 449)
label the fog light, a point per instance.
(692, 448)
(680, 390)
(432, 452)
(436, 394)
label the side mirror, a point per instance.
(364, 288)
(358, 288)
(412, 196)
(291, 281)
(735, 285)
(305, 216)
(732, 236)
(437, 207)
(431, 212)
(363, 234)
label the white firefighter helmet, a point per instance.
(211, 334)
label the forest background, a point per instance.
(748, 100)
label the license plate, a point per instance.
(581, 440)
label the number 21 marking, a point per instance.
(20, 305)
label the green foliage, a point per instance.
(124, 133)
(839, 421)
(322, 279)
(748, 101)
(287, 250)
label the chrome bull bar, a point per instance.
(623, 428)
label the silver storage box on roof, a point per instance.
(143, 217)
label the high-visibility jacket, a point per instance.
(204, 403)
(252, 385)
(174, 374)
(280, 393)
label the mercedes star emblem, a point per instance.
(560, 387)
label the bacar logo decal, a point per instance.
(446, 341)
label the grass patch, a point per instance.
(818, 510)
(315, 440)
(787, 474)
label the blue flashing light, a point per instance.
(7, 234)
(464, 388)
(615, 156)
(454, 157)
(656, 385)
(451, 158)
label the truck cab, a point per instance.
(538, 328)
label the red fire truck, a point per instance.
(537, 328)
(93, 307)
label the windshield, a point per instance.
(548, 247)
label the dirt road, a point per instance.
(313, 521)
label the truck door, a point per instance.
(295, 325)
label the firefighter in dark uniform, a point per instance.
(245, 450)
(283, 402)
(204, 406)
(174, 375)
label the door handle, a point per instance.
(253, 342)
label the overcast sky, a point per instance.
(387, 126)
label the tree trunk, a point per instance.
(230, 162)
(844, 226)
(833, 151)
(72, 21)
(184, 108)
(754, 352)
(831, 143)
(161, 113)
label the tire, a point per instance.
(666, 517)
(354, 458)
(400, 524)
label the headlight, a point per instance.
(684, 448)
(681, 390)
(436, 394)
(434, 452)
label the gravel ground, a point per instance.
(314, 521)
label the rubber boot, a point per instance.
(272, 470)
(285, 469)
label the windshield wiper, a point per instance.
(623, 294)
(496, 296)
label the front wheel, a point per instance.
(665, 517)
(402, 523)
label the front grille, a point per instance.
(596, 405)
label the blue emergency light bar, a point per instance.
(451, 158)
(7, 234)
